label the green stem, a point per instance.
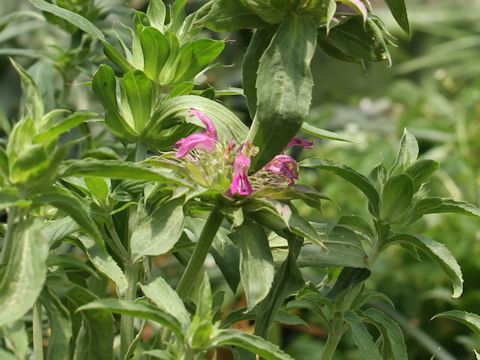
(200, 253)
(8, 239)
(140, 152)
(331, 346)
(37, 331)
(117, 244)
(127, 330)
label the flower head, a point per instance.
(285, 166)
(240, 183)
(200, 141)
(300, 142)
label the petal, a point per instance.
(201, 141)
(209, 125)
(300, 142)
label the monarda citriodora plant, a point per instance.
(110, 216)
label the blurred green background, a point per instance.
(433, 89)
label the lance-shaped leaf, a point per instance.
(397, 196)
(72, 206)
(177, 111)
(195, 57)
(15, 339)
(25, 274)
(323, 134)
(259, 43)
(358, 180)
(140, 94)
(136, 309)
(86, 26)
(421, 171)
(466, 318)
(156, 13)
(95, 336)
(60, 325)
(256, 262)
(438, 253)
(64, 126)
(408, 152)
(115, 169)
(394, 343)
(362, 337)
(288, 280)
(162, 295)
(104, 85)
(229, 15)
(254, 344)
(284, 87)
(156, 50)
(399, 12)
(160, 232)
(439, 205)
(104, 263)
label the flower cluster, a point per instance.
(233, 160)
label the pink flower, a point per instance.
(300, 142)
(240, 184)
(285, 166)
(203, 141)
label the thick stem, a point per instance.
(200, 253)
(331, 346)
(8, 239)
(37, 331)
(127, 329)
(140, 152)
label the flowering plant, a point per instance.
(167, 174)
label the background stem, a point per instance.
(37, 331)
(331, 346)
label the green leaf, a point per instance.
(408, 152)
(256, 262)
(254, 344)
(60, 326)
(195, 57)
(227, 258)
(466, 318)
(357, 41)
(230, 15)
(399, 12)
(116, 169)
(160, 354)
(7, 355)
(323, 134)
(156, 50)
(391, 333)
(343, 247)
(95, 336)
(71, 17)
(362, 337)
(167, 300)
(347, 173)
(421, 171)
(15, 339)
(287, 281)
(176, 111)
(25, 274)
(160, 232)
(439, 205)
(259, 43)
(136, 309)
(61, 199)
(57, 230)
(104, 85)
(438, 253)
(284, 87)
(70, 262)
(99, 187)
(34, 103)
(140, 93)
(397, 196)
(66, 125)
(104, 263)
(156, 13)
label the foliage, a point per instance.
(111, 213)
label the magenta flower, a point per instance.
(300, 142)
(202, 141)
(240, 184)
(285, 166)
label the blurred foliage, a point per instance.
(434, 91)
